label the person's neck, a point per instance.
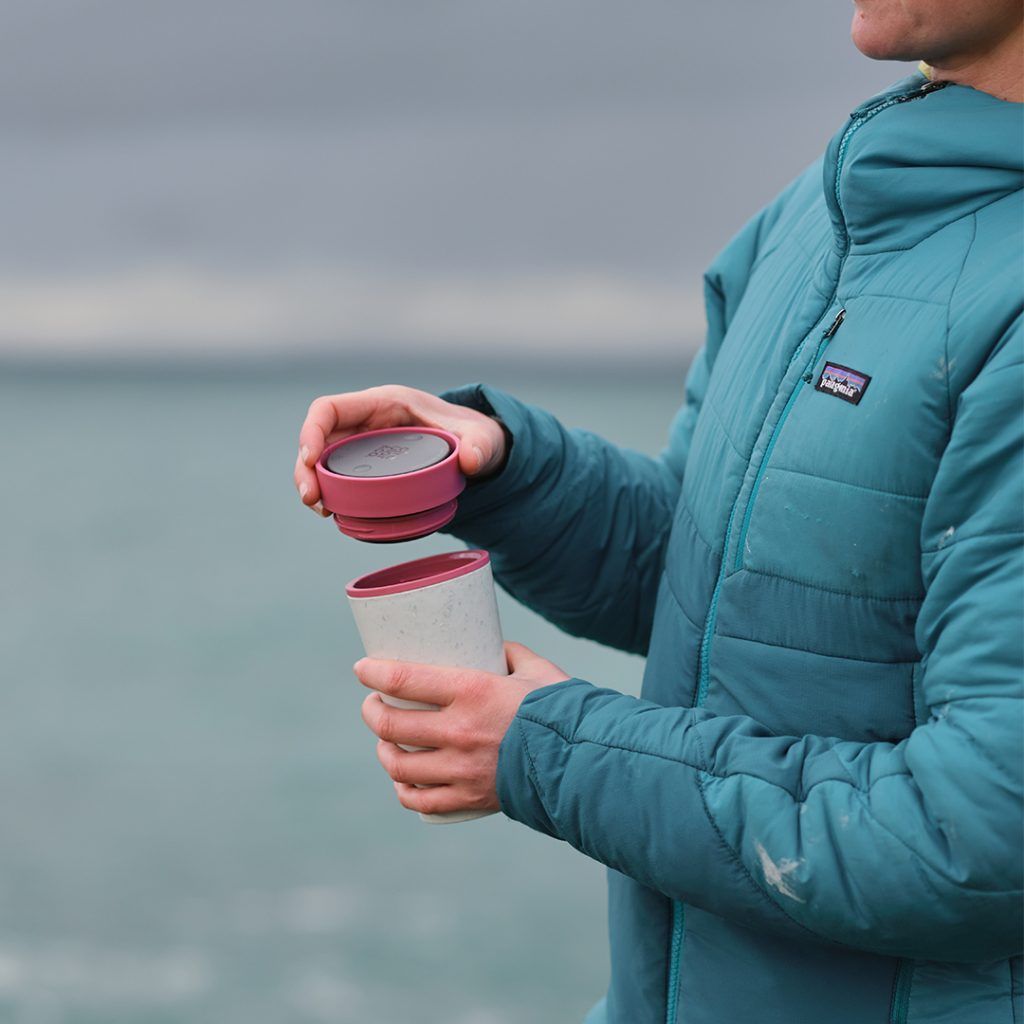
(998, 71)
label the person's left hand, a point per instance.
(476, 709)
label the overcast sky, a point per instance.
(252, 175)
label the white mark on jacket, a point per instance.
(947, 536)
(775, 874)
(844, 820)
(943, 369)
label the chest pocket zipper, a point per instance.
(806, 378)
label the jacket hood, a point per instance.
(917, 157)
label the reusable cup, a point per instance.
(438, 610)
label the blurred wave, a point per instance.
(315, 311)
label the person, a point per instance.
(813, 813)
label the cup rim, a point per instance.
(417, 574)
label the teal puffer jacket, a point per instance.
(814, 812)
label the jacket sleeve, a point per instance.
(577, 527)
(910, 849)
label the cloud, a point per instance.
(192, 313)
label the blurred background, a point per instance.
(214, 211)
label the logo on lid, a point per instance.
(844, 383)
(387, 451)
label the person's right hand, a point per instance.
(332, 417)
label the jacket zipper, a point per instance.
(865, 115)
(805, 378)
(851, 130)
(900, 1005)
(675, 955)
(856, 123)
(830, 331)
(704, 675)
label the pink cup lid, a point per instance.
(391, 484)
(419, 573)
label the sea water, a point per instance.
(193, 826)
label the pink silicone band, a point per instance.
(422, 572)
(384, 531)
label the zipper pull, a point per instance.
(834, 326)
(825, 335)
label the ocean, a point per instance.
(195, 829)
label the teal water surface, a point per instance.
(194, 826)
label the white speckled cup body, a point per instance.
(454, 622)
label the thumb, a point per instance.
(481, 448)
(525, 664)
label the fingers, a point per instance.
(431, 684)
(331, 414)
(332, 417)
(453, 777)
(326, 416)
(481, 441)
(442, 799)
(525, 664)
(308, 488)
(306, 484)
(431, 782)
(414, 768)
(411, 728)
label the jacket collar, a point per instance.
(917, 157)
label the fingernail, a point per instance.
(303, 489)
(304, 454)
(319, 509)
(479, 458)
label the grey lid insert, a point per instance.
(388, 454)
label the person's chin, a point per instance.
(876, 40)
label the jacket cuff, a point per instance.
(522, 425)
(520, 787)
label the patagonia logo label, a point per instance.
(844, 383)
